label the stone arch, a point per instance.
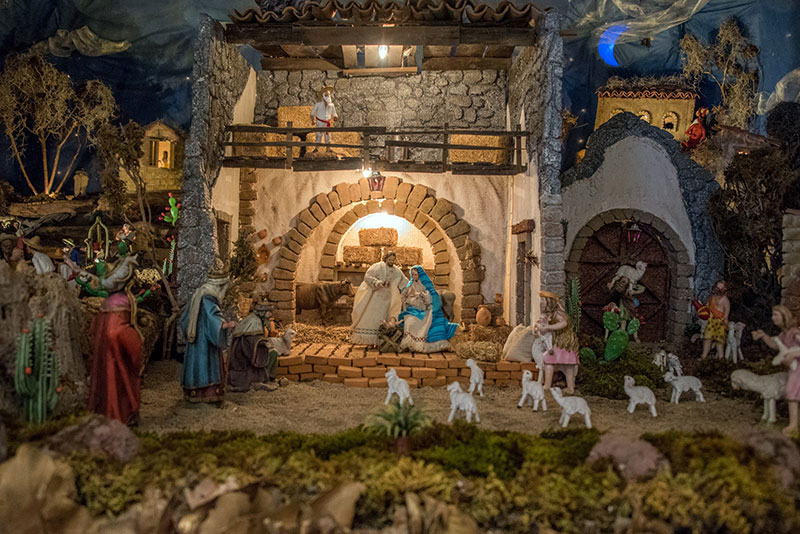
(680, 265)
(416, 203)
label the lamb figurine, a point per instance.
(771, 387)
(633, 274)
(571, 405)
(639, 395)
(460, 400)
(668, 362)
(684, 383)
(532, 389)
(783, 352)
(475, 377)
(282, 345)
(397, 386)
(733, 349)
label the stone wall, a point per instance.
(218, 79)
(534, 92)
(790, 272)
(463, 99)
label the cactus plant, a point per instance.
(573, 304)
(170, 215)
(36, 371)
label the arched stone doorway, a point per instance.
(610, 240)
(447, 233)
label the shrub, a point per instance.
(605, 379)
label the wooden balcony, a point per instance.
(380, 149)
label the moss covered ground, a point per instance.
(504, 480)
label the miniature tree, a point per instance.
(36, 371)
(399, 421)
(39, 101)
(243, 262)
(731, 63)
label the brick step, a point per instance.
(356, 366)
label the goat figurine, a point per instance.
(532, 389)
(570, 406)
(282, 345)
(684, 383)
(475, 377)
(771, 387)
(639, 395)
(461, 400)
(399, 387)
(733, 349)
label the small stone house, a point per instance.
(162, 162)
(668, 108)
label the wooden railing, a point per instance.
(376, 151)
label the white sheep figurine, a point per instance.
(461, 400)
(639, 395)
(532, 389)
(282, 345)
(684, 383)
(771, 387)
(668, 362)
(733, 349)
(475, 377)
(397, 386)
(570, 406)
(783, 352)
(633, 274)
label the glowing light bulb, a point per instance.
(382, 51)
(366, 173)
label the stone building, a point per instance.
(669, 108)
(457, 205)
(162, 160)
(637, 197)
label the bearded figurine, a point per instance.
(323, 114)
(206, 335)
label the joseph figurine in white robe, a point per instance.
(377, 299)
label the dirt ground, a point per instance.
(321, 407)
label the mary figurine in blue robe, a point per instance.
(203, 365)
(425, 327)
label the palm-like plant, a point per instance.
(399, 421)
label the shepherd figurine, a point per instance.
(323, 114)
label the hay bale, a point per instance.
(382, 237)
(368, 255)
(407, 256)
(498, 157)
(300, 116)
(484, 351)
(495, 334)
(309, 333)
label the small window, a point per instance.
(670, 121)
(162, 153)
(645, 116)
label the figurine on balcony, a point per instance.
(323, 114)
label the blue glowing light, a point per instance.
(605, 47)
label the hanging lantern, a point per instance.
(376, 181)
(634, 233)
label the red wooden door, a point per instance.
(605, 251)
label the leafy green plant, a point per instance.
(36, 371)
(573, 304)
(399, 421)
(618, 340)
(243, 261)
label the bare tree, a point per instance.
(731, 63)
(39, 101)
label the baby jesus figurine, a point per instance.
(544, 338)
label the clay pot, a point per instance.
(498, 298)
(499, 322)
(277, 241)
(262, 234)
(484, 315)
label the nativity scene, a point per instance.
(304, 273)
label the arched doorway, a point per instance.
(605, 244)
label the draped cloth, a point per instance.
(374, 304)
(424, 325)
(116, 361)
(251, 360)
(203, 364)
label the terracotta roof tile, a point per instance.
(456, 11)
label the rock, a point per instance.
(98, 435)
(3, 442)
(781, 451)
(632, 458)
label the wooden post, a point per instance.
(445, 152)
(365, 152)
(518, 148)
(289, 154)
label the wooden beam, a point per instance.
(397, 71)
(350, 55)
(400, 34)
(301, 63)
(466, 63)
